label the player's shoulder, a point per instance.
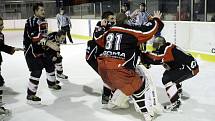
(52, 35)
(98, 23)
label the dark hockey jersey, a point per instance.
(35, 30)
(4, 47)
(99, 30)
(172, 57)
(49, 51)
(122, 41)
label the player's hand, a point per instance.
(135, 13)
(18, 49)
(103, 22)
(157, 14)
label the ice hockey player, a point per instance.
(10, 50)
(35, 37)
(93, 50)
(56, 37)
(179, 66)
(116, 65)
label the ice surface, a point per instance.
(75, 102)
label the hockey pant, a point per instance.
(58, 64)
(67, 30)
(172, 81)
(36, 71)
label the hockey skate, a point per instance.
(55, 87)
(105, 99)
(173, 107)
(4, 114)
(62, 76)
(57, 82)
(33, 99)
(147, 117)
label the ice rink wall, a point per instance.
(197, 37)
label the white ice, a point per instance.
(76, 103)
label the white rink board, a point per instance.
(198, 36)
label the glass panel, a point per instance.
(211, 10)
(98, 10)
(75, 11)
(198, 10)
(87, 10)
(185, 11)
(112, 5)
(167, 7)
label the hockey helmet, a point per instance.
(158, 42)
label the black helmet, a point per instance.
(158, 42)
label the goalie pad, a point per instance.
(118, 100)
(150, 91)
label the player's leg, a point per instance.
(50, 73)
(139, 101)
(64, 41)
(106, 94)
(3, 112)
(69, 34)
(169, 79)
(59, 68)
(91, 54)
(1, 78)
(35, 67)
(33, 85)
(151, 93)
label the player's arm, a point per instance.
(58, 21)
(6, 48)
(150, 58)
(33, 29)
(152, 27)
(99, 29)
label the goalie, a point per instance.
(116, 65)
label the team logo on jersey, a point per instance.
(118, 54)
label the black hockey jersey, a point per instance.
(172, 57)
(122, 41)
(49, 51)
(99, 30)
(4, 47)
(35, 29)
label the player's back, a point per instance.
(120, 42)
